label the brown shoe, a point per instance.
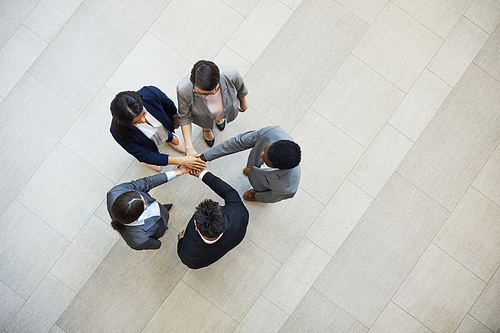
(246, 170)
(250, 195)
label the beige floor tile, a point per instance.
(382, 249)
(164, 74)
(13, 14)
(259, 28)
(85, 253)
(439, 291)
(29, 136)
(365, 10)
(10, 305)
(328, 155)
(263, 317)
(486, 308)
(41, 310)
(316, 313)
(394, 319)
(471, 235)
(323, 34)
(488, 57)
(185, 310)
(234, 282)
(130, 285)
(380, 160)
(488, 180)
(439, 16)
(358, 100)
(90, 139)
(75, 188)
(270, 226)
(469, 324)
(78, 70)
(244, 7)
(339, 217)
(49, 16)
(397, 46)
(16, 56)
(293, 4)
(420, 104)
(296, 276)
(458, 51)
(192, 28)
(458, 141)
(484, 13)
(228, 57)
(28, 248)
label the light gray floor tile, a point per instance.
(439, 16)
(316, 313)
(319, 35)
(458, 141)
(185, 310)
(382, 249)
(259, 28)
(16, 56)
(164, 74)
(66, 182)
(380, 160)
(41, 310)
(29, 248)
(11, 303)
(296, 276)
(130, 285)
(397, 46)
(91, 140)
(484, 13)
(458, 51)
(439, 291)
(244, 7)
(49, 16)
(328, 155)
(488, 180)
(420, 104)
(226, 56)
(263, 317)
(270, 225)
(78, 70)
(29, 136)
(487, 307)
(13, 13)
(192, 28)
(488, 57)
(394, 320)
(293, 4)
(365, 10)
(358, 100)
(472, 234)
(339, 217)
(85, 253)
(56, 329)
(235, 281)
(469, 324)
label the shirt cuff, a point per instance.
(203, 173)
(170, 175)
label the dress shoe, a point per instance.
(250, 195)
(179, 147)
(221, 126)
(246, 170)
(209, 143)
(167, 206)
(154, 167)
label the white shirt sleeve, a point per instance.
(203, 173)
(170, 175)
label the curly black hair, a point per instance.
(284, 154)
(210, 218)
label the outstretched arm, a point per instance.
(236, 144)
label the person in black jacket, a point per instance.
(213, 230)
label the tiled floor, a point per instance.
(395, 227)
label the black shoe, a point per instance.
(167, 206)
(209, 143)
(221, 126)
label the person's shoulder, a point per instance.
(185, 85)
(228, 71)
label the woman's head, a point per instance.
(126, 209)
(126, 106)
(205, 75)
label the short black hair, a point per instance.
(210, 218)
(205, 75)
(126, 208)
(284, 154)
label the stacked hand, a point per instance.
(193, 162)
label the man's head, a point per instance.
(210, 219)
(283, 154)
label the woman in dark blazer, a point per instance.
(144, 120)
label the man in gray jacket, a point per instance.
(273, 164)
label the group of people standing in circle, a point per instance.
(144, 120)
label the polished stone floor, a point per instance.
(395, 227)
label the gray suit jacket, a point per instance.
(146, 236)
(271, 185)
(192, 107)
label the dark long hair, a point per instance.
(205, 75)
(126, 209)
(124, 108)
